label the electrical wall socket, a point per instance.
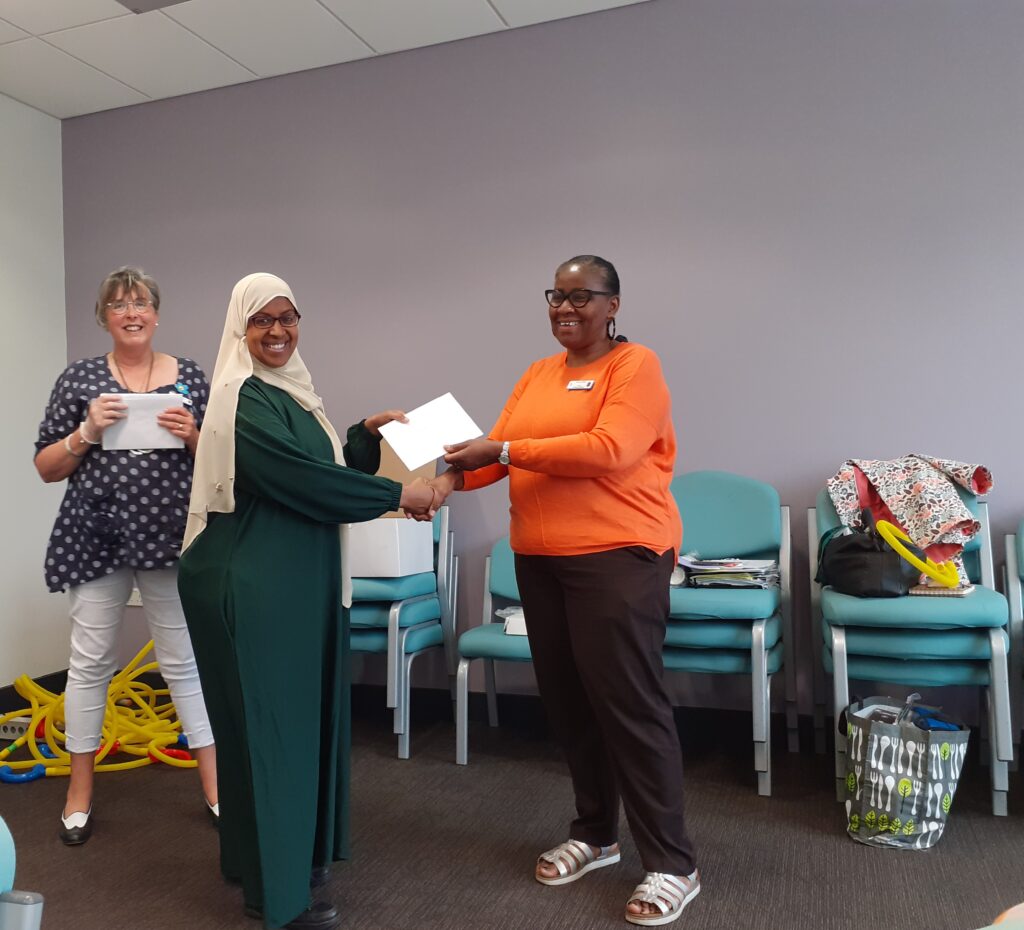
(135, 599)
(15, 727)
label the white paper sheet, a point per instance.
(438, 423)
(139, 430)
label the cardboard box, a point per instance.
(391, 466)
(387, 548)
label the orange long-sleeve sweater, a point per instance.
(590, 467)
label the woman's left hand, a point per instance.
(180, 423)
(374, 423)
(473, 454)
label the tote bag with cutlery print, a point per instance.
(900, 779)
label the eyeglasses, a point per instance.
(118, 307)
(289, 319)
(579, 298)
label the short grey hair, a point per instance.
(126, 280)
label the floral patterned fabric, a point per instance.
(917, 493)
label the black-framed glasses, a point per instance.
(118, 307)
(287, 319)
(579, 297)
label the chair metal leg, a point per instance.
(1012, 587)
(402, 712)
(792, 727)
(462, 712)
(818, 669)
(764, 763)
(401, 705)
(1000, 697)
(1000, 779)
(760, 703)
(840, 700)
(394, 673)
(21, 910)
(789, 643)
(492, 694)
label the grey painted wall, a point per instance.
(33, 622)
(815, 206)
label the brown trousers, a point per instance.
(597, 625)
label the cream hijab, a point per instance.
(214, 475)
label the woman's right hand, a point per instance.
(103, 411)
(418, 500)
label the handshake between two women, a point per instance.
(463, 456)
(421, 497)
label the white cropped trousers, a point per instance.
(97, 610)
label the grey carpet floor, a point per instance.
(443, 846)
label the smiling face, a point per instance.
(583, 332)
(133, 329)
(274, 346)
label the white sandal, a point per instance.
(574, 859)
(668, 893)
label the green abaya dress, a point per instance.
(261, 588)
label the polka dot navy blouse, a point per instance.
(121, 507)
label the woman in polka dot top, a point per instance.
(120, 525)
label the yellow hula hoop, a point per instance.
(140, 720)
(945, 573)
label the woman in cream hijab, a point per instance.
(261, 584)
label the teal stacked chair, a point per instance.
(19, 910)
(736, 631)
(488, 642)
(1013, 585)
(920, 642)
(404, 617)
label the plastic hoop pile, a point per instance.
(140, 721)
(944, 573)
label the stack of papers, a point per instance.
(515, 620)
(729, 573)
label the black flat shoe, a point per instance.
(76, 828)
(321, 916)
(320, 875)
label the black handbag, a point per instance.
(860, 563)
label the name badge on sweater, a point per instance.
(580, 385)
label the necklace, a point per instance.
(124, 380)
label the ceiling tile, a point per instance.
(124, 48)
(45, 78)
(272, 36)
(401, 24)
(41, 16)
(9, 33)
(524, 12)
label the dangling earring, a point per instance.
(610, 328)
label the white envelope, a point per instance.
(438, 423)
(139, 429)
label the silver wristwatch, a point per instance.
(503, 455)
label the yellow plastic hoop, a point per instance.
(944, 573)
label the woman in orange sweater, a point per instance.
(587, 443)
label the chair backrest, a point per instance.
(976, 551)
(7, 858)
(726, 514)
(1020, 550)
(502, 581)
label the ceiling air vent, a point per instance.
(147, 6)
